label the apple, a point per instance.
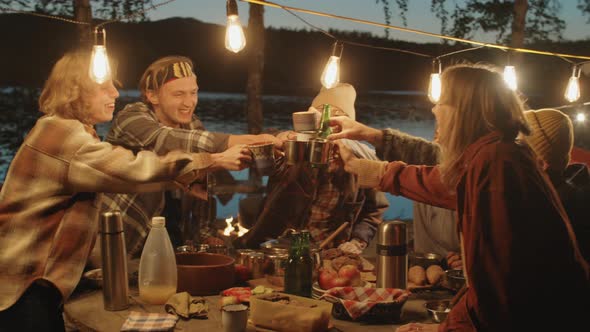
(341, 282)
(326, 277)
(350, 273)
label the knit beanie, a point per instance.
(552, 137)
(342, 96)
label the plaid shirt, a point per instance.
(48, 221)
(136, 128)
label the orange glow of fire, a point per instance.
(229, 228)
(242, 230)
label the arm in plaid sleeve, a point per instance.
(102, 167)
(136, 127)
(413, 150)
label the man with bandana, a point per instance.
(162, 122)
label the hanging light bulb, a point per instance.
(435, 86)
(235, 40)
(100, 70)
(510, 77)
(580, 117)
(331, 73)
(572, 91)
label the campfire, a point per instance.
(234, 229)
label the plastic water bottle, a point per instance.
(157, 266)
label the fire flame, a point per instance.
(229, 228)
(242, 230)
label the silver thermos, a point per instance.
(392, 255)
(115, 285)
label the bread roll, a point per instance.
(417, 275)
(434, 274)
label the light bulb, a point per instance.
(572, 91)
(510, 77)
(331, 74)
(100, 70)
(434, 88)
(235, 40)
(580, 117)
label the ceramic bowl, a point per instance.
(204, 273)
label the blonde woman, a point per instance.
(48, 221)
(517, 243)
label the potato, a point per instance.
(417, 275)
(434, 274)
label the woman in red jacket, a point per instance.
(517, 242)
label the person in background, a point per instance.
(322, 201)
(435, 228)
(48, 222)
(552, 139)
(516, 237)
(165, 121)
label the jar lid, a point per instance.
(158, 221)
(256, 254)
(277, 251)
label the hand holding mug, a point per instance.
(346, 127)
(235, 158)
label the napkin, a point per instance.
(358, 300)
(186, 306)
(146, 321)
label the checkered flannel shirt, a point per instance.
(136, 128)
(48, 222)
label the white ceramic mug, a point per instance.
(234, 318)
(303, 121)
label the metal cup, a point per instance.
(296, 151)
(320, 150)
(263, 155)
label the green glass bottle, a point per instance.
(298, 272)
(325, 129)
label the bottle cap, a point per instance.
(110, 222)
(158, 221)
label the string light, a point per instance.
(510, 77)
(100, 70)
(331, 73)
(572, 91)
(435, 86)
(235, 40)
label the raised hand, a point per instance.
(346, 127)
(454, 260)
(276, 140)
(235, 158)
(345, 154)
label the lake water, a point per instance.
(224, 112)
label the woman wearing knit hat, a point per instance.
(322, 203)
(516, 238)
(552, 139)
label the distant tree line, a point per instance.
(294, 59)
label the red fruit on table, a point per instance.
(349, 272)
(340, 282)
(325, 278)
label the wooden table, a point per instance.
(86, 311)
